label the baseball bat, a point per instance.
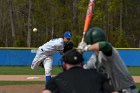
(88, 18)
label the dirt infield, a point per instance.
(36, 78)
(29, 88)
(22, 78)
(21, 89)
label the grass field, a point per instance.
(26, 70)
(5, 83)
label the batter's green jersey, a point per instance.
(114, 67)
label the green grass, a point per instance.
(134, 71)
(25, 70)
(5, 83)
(138, 85)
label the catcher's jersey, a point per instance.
(53, 46)
(114, 67)
(79, 80)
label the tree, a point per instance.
(119, 18)
(29, 25)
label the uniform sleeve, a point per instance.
(106, 48)
(60, 45)
(51, 85)
(91, 63)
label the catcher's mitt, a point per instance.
(68, 46)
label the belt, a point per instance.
(41, 49)
(45, 53)
(131, 87)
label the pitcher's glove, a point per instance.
(67, 47)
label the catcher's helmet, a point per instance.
(94, 35)
(72, 57)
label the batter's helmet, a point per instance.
(94, 35)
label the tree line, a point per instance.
(119, 18)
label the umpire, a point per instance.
(75, 79)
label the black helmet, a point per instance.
(72, 57)
(94, 35)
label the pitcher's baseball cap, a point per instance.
(72, 57)
(68, 34)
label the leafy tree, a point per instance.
(119, 18)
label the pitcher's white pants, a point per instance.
(40, 57)
(48, 65)
(47, 60)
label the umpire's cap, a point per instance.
(72, 57)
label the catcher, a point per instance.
(45, 52)
(107, 60)
(75, 79)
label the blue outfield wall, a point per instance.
(24, 56)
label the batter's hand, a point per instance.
(82, 45)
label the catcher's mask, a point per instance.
(94, 35)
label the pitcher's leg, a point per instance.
(48, 68)
(38, 59)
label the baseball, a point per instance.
(35, 30)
